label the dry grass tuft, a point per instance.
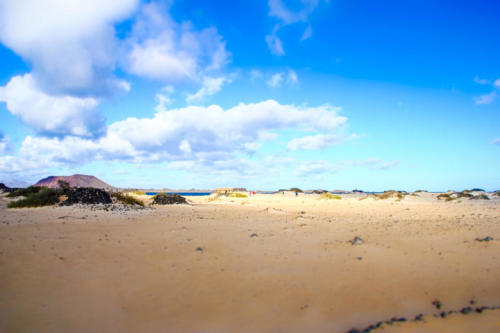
(329, 196)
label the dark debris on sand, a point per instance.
(485, 239)
(420, 317)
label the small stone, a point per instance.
(199, 249)
(356, 241)
(485, 239)
(437, 304)
(254, 235)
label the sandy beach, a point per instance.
(268, 263)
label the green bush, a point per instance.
(24, 192)
(44, 197)
(127, 199)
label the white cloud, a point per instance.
(314, 142)
(211, 86)
(211, 136)
(307, 34)
(286, 17)
(278, 9)
(165, 50)
(276, 80)
(255, 74)
(315, 168)
(163, 98)
(292, 77)
(480, 81)
(496, 141)
(486, 99)
(4, 143)
(274, 43)
(320, 167)
(497, 83)
(52, 115)
(71, 45)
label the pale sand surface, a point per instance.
(65, 269)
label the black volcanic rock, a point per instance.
(86, 195)
(168, 199)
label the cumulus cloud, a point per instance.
(52, 114)
(209, 135)
(211, 86)
(286, 16)
(486, 99)
(496, 141)
(169, 51)
(497, 83)
(71, 46)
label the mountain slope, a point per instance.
(74, 181)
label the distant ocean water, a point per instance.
(186, 194)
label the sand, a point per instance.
(269, 263)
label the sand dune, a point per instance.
(269, 263)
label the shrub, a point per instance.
(237, 195)
(127, 199)
(43, 197)
(390, 194)
(296, 189)
(445, 196)
(63, 185)
(24, 192)
(480, 197)
(139, 193)
(319, 191)
(329, 196)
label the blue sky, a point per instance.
(336, 94)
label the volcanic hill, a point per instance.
(74, 181)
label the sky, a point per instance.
(271, 94)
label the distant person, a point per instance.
(296, 193)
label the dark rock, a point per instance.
(4, 188)
(485, 239)
(437, 304)
(168, 199)
(419, 317)
(86, 195)
(254, 235)
(466, 310)
(356, 241)
(199, 249)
